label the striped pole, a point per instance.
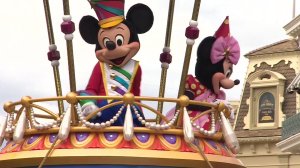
(68, 27)
(192, 33)
(165, 57)
(53, 55)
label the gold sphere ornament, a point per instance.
(26, 101)
(71, 98)
(128, 98)
(227, 112)
(184, 101)
(8, 107)
(221, 106)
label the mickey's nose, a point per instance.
(110, 45)
(236, 82)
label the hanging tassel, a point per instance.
(187, 127)
(20, 128)
(65, 125)
(228, 134)
(128, 125)
(3, 126)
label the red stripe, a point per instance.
(114, 4)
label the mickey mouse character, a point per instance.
(215, 58)
(117, 41)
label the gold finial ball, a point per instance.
(183, 101)
(71, 98)
(128, 98)
(221, 106)
(227, 112)
(26, 101)
(8, 107)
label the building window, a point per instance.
(266, 108)
(265, 100)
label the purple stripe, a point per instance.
(120, 91)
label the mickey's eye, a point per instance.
(228, 73)
(119, 40)
(105, 40)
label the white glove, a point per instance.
(88, 108)
(227, 105)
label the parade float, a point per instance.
(106, 124)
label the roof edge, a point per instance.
(264, 47)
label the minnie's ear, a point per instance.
(89, 28)
(204, 50)
(141, 17)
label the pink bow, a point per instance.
(226, 47)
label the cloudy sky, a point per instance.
(25, 69)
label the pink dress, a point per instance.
(201, 93)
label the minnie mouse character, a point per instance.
(215, 58)
(116, 40)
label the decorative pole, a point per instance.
(192, 33)
(294, 9)
(53, 55)
(165, 57)
(68, 27)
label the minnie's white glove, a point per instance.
(88, 108)
(227, 104)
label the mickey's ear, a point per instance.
(89, 28)
(141, 17)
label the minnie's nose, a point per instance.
(110, 45)
(236, 82)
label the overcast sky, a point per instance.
(25, 69)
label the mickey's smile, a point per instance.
(118, 61)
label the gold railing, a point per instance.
(28, 105)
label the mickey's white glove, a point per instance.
(227, 105)
(88, 108)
